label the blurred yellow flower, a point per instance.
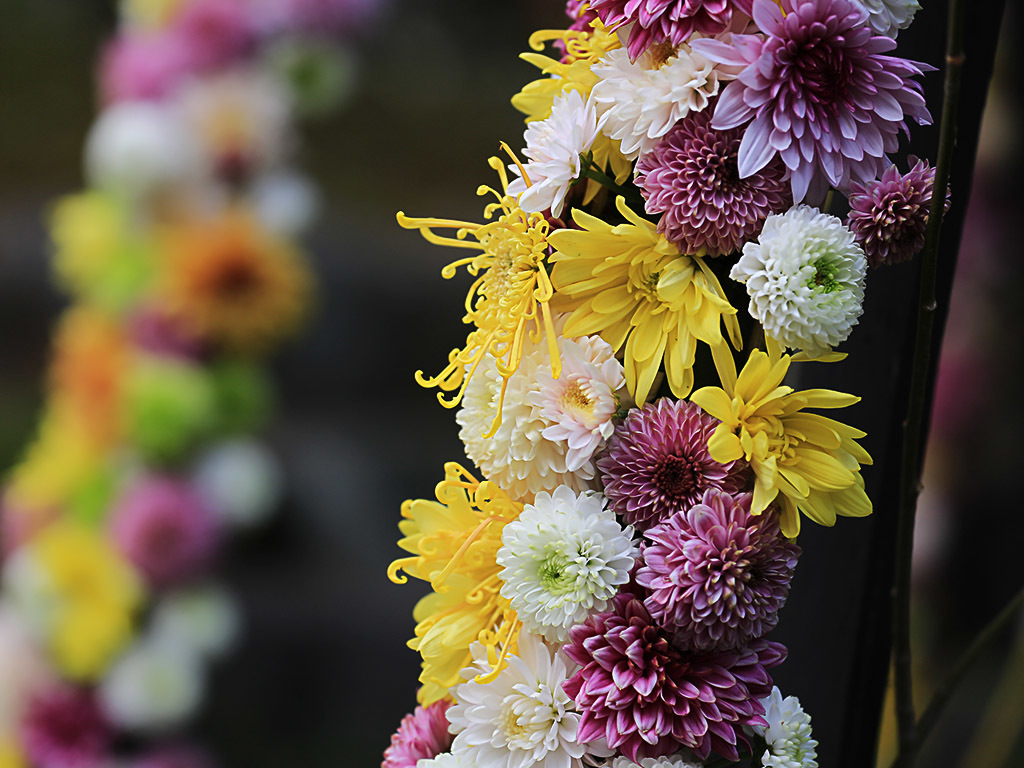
(454, 542)
(10, 754)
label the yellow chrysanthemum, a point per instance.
(454, 542)
(10, 754)
(805, 462)
(88, 232)
(92, 593)
(231, 282)
(509, 297)
(633, 287)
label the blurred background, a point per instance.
(322, 676)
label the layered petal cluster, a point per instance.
(717, 575)
(648, 698)
(658, 463)
(65, 726)
(888, 17)
(819, 91)
(422, 735)
(633, 287)
(454, 542)
(788, 734)
(804, 462)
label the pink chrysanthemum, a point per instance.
(655, 21)
(717, 575)
(647, 698)
(888, 216)
(64, 727)
(692, 178)
(581, 13)
(142, 66)
(421, 736)
(657, 463)
(165, 529)
(819, 92)
(161, 334)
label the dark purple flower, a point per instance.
(888, 216)
(656, 21)
(423, 735)
(64, 727)
(647, 698)
(717, 575)
(165, 529)
(692, 178)
(657, 462)
(817, 91)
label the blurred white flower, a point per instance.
(22, 668)
(241, 479)
(203, 619)
(285, 202)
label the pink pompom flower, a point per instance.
(421, 735)
(64, 727)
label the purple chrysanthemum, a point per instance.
(64, 727)
(717, 575)
(164, 528)
(819, 92)
(657, 463)
(888, 216)
(656, 21)
(692, 178)
(421, 735)
(647, 698)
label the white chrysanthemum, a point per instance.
(788, 733)
(30, 592)
(443, 760)
(203, 619)
(154, 686)
(805, 278)
(22, 669)
(522, 717)
(640, 101)
(286, 202)
(241, 479)
(672, 761)
(888, 17)
(525, 456)
(137, 148)
(554, 146)
(563, 559)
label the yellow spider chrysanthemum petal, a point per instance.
(804, 462)
(454, 543)
(633, 287)
(509, 298)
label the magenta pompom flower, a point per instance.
(647, 698)
(165, 529)
(819, 92)
(692, 178)
(717, 575)
(888, 216)
(657, 463)
(655, 21)
(421, 736)
(214, 32)
(64, 727)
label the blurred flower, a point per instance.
(148, 14)
(631, 286)
(888, 17)
(10, 752)
(320, 75)
(828, 130)
(563, 559)
(155, 332)
(692, 179)
(422, 735)
(788, 733)
(64, 727)
(647, 698)
(888, 216)
(286, 203)
(802, 461)
(232, 283)
(23, 670)
(203, 620)
(453, 542)
(658, 463)
(164, 528)
(242, 397)
(241, 480)
(214, 33)
(805, 277)
(717, 575)
(142, 65)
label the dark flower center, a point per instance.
(676, 477)
(236, 278)
(824, 73)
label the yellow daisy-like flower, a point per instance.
(803, 461)
(633, 287)
(454, 542)
(231, 282)
(509, 298)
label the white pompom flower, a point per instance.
(671, 761)
(805, 277)
(888, 17)
(788, 734)
(204, 619)
(553, 147)
(563, 559)
(443, 760)
(241, 479)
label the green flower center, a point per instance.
(554, 576)
(824, 279)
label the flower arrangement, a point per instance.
(183, 271)
(602, 585)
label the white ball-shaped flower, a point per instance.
(241, 479)
(562, 560)
(204, 619)
(788, 734)
(888, 17)
(805, 278)
(443, 760)
(671, 761)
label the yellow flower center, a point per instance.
(574, 398)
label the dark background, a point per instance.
(323, 676)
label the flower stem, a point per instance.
(914, 424)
